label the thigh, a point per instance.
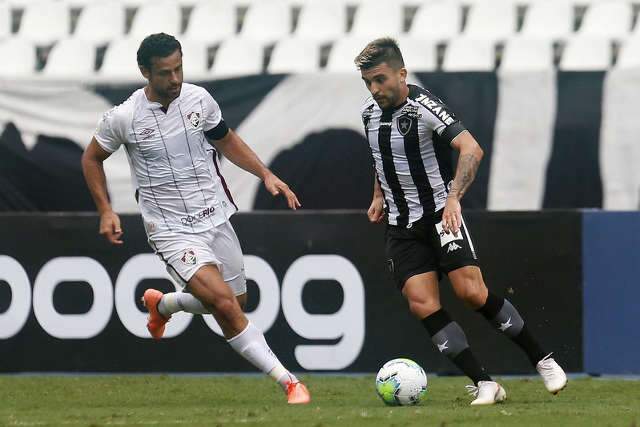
(453, 251)
(184, 255)
(468, 285)
(208, 285)
(408, 254)
(226, 248)
(422, 294)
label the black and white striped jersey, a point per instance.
(411, 149)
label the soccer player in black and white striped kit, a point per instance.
(411, 133)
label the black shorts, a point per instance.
(423, 246)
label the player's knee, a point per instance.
(423, 308)
(227, 307)
(473, 292)
(242, 301)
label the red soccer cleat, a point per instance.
(155, 322)
(297, 394)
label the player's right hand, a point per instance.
(110, 227)
(376, 210)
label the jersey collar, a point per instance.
(156, 105)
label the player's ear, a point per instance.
(403, 75)
(145, 72)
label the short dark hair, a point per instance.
(378, 51)
(158, 45)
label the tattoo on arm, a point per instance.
(465, 174)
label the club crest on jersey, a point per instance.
(189, 257)
(194, 119)
(404, 125)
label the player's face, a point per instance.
(165, 76)
(385, 84)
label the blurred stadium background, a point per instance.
(550, 88)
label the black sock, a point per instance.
(468, 364)
(506, 318)
(452, 342)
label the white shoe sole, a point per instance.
(501, 396)
(555, 392)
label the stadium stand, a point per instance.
(238, 57)
(367, 22)
(607, 19)
(586, 54)
(546, 19)
(466, 54)
(524, 54)
(44, 22)
(419, 54)
(629, 56)
(322, 21)
(484, 23)
(437, 21)
(295, 55)
(343, 52)
(23, 53)
(5, 20)
(332, 25)
(71, 59)
(119, 61)
(211, 22)
(155, 17)
(267, 22)
(195, 59)
(100, 22)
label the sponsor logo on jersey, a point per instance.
(436, 108)
(412, 111)
(203, 214)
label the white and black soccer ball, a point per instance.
(401, 382)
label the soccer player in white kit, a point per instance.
(166, 128)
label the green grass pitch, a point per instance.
(336, 401)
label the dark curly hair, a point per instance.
(158, 45)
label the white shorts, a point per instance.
(184, 254)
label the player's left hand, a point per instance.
(452, 216)
(276, 186)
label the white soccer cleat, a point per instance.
(552, 374)
(487, 393)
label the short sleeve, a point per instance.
(108, 132)
(214, 125)
(440, 118)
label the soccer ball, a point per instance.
(401, 382)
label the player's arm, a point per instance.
(376, 210)
(470, 155)
(240, 154)
(93, 170)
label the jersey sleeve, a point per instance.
(439, 117)
(214, 125)
(108, 132)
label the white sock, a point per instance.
(251, 345)
(174, 302)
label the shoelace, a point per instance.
(546, 365)
(472, 390)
